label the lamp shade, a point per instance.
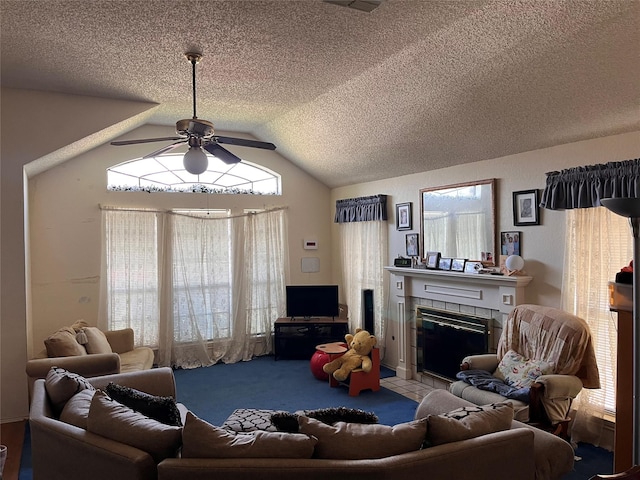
(514, 263)
(195, 161)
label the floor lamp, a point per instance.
(630, 207)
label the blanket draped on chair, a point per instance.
(539, 332)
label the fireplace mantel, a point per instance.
(496, 292)
(478, 290)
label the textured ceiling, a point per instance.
(349, 96)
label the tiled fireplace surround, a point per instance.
(491, 297)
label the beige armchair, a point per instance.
(124, 357)
(548, 341)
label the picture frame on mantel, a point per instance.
(403, 216)
(525, 208)
(433, 259)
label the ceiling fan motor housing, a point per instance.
(194, 126)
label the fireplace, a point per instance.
(444, 338)
(487, 297)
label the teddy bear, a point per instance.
(360, 346)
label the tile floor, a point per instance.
(412, 389)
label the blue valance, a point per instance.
(361, 209)
(583, 187)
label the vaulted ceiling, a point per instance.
(348, 95)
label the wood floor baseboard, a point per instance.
(12, 435)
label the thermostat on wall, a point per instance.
(310, 244)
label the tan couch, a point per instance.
(64, 452)
(123, 358)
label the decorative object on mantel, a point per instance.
(433, 259)
(404, 216)
(445, 264)
(402, 262)
(510, 243)
(513, 265)
(525, 208)
(457, 264)
(472, 267)
(630, 207)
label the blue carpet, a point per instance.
(593, 460)
(212, 393)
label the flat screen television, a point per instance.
(306, 301)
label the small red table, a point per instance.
(325, 353)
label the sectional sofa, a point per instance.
(62, 451)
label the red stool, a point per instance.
(324, 354)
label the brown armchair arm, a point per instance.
(85, 365)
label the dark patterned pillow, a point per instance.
(162, 409)
(251, 420)
(288, 422)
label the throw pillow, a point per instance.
(163, 409)
(520, 372)
(63, 343)
(111, 419)
(251, 420)
(469, 422)
(200, 439)
(352, 441)
(288, 422)
(96, 341)
(79, 325)
(76, 410)
(61, 385)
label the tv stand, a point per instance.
(296, 338)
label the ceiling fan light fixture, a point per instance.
(195, 160)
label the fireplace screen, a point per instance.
(444, 338)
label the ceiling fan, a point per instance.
(199, 135)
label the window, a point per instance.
(598, 244)
(199, 285)
(166, 173)
(363, 249)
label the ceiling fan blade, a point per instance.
(222, 153)
(165, 149)
(245, 143)
(146, 140)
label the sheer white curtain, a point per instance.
(363, 250)
(598, 243)
(130, 288)
(220, 282)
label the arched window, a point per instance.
(165, 173)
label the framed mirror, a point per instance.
(459, 220)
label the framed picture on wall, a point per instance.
(525, 208)
(413, 249)
(403, 216)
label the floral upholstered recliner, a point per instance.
(545, 356)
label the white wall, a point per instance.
(65, 225)
(541, 245)
(35, 125)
